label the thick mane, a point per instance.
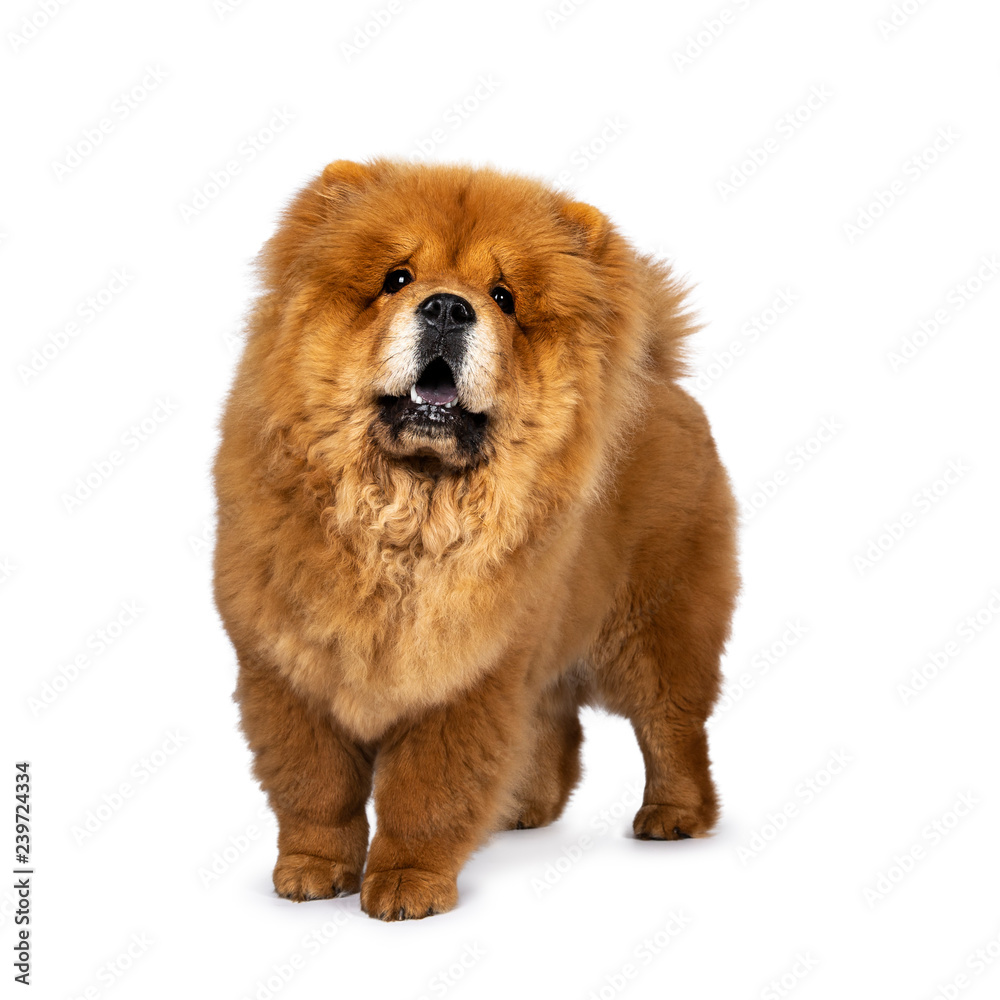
(388, 517)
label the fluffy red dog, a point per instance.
(461, 495)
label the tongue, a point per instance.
(437, 384)
(440, 396)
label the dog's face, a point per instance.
(444, 331)
(449, 313)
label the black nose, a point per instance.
(446, 312)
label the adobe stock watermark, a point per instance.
(201, 543)
(224, 858)
(588, 153)
(922, 503)
(978, 961)
(141, 773)
(246, 152)
(110, 973)
(129, 442)
(223, 8)
(280, 974)
(562, 12)
(970, 628)
(750, 334)
(781, 986)
(898, 16)
(757, 155)
(371, 28)
(31, 25)
(913, 169)
(761, 664)
(708, 33)
(796, 459)
(234, 341)
(7, 569)
(455, 117)
(94, 645)
(122, 107)
(645, 952)
(932, 836)
(804, 794)
(447, 979)
(955, 300)
(601, 824)
(88, 310)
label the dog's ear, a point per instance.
(338, 180)
(316, 204)
(345, 173)
(590, 225)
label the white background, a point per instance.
(859, 893)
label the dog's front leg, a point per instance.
(441, 783)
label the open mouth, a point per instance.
(432, 407)
(436, 386)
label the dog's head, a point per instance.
(440, 321)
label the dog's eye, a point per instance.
(395, 280)
(503, 298)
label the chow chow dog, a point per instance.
(460, 495)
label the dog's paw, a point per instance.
(668, 822)
(304, 876)
(407, 894)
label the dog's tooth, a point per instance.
(413, 394)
